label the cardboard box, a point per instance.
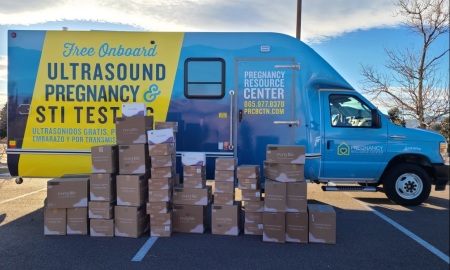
(101, 210)
(253, 228)
(275, 196)
(224, 176)
(297, 227)
(101, 227)
(163, 172)
(253, 217)
(163, 125)
(77, 221)
(160, 183)
(282, 172)
(159, 136)
(164, 149)
(194, 171)
(163, 161)
(164, 195)
(322, 224)
(133, 130)
(133, 159)
(285, 153)
(254, 206)
(189, 218)
(132, 190)
(274, 227)
(67, 192)
(134, 109)
(161, 219)
(224, 198)
(130, 221)
(251, 195)
(55, 221)
(296, 197)
(161, 230)
(193, 159)
(248, 171)
(102, 187)
(192, 196)
(224, 187)
(249, 183)
(158, 207)
(194, 182)
(104, 159)
(226, 164)
(225, 219)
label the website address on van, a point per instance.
(264, 111)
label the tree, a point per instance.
(394, 116)
(3, 121)
(414, 84)
(443, 127)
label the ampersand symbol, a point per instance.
(152, 93)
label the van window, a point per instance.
(204, 78)
(349, 111)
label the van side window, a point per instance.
(349, 111)
(204, 78)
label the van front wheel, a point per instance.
(407, 185)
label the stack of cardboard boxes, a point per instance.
(225, 212)
(249, 181)
(191, 199)
(161, 145)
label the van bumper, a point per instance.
(442, 175)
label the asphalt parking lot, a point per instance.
(372, 233)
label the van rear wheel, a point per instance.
(407, 184)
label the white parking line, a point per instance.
(416, 238)
(21, 196)
(144, 249)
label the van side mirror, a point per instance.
(376, 119)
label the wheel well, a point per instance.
(420, 160)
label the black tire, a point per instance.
(407, 185)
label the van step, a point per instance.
(349, 188)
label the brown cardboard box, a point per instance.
(249, 183)
(133, 159)
(55, 221)
(226, 164)
(322, 224)
(282, 172)
(189, 218)
(275, 196)
(67, 192)
(160, 183)
(223, 176)
(248, 171)
(297, 227)
(274, 227)
(224, 198)
(296, 198)
(253, 217)
(102, 187)
(253, 228)
(104, 159)
(163, 149)
(102, 227)
(132, 189)
(285, 153)
(101, 210)
(254, 206)
(225, 219)
(192, 196)
(161, 230)
(251, 195)
(163, 125)
(130, 221)
(133, 130)
(158, 207)
(163, 161)
(164, 195)
(77, 221)
(194, 182)
(161, 219)
(163, 172)
(194, 171)
(224, 187)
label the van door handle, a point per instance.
(328, 145)
(240, 116)
(290, 123)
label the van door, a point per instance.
(352, 148)
(265, 102)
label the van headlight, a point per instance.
(443, 150)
